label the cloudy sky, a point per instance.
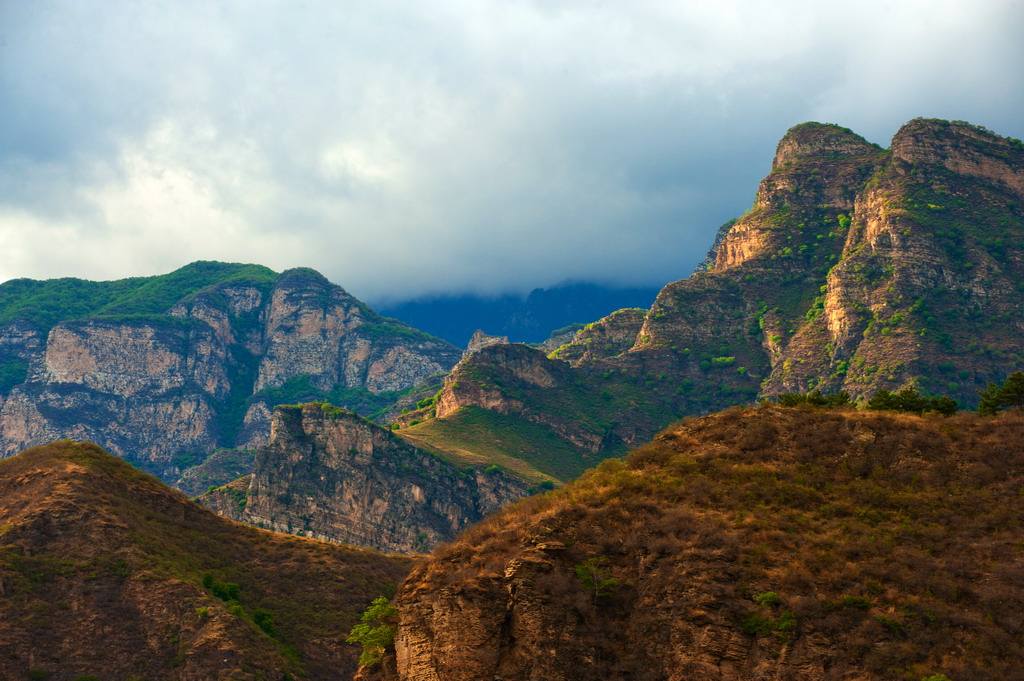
(412, 147)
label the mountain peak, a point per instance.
(819, 141)
(962, 148)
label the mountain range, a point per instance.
(166, 370)
(857, 269)
(741, 542)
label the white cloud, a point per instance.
(405, 148)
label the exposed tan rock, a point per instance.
(177, 386)
(481, 340)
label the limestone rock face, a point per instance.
(167, 389)
(316, 329)
(481, 340)
(330, 474)
(521, 362)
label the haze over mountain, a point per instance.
(525, 320)
(857, 268)
(449, 146)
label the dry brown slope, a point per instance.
(754, 544)
(102, 568)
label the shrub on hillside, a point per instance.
(814, 398)
(375, 631)
(596, 577)
(1009, 395)
(910, 400)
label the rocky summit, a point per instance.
(857, 269)
(165, 370)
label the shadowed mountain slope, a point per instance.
(106, 573)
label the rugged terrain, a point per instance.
(857, 268)
(331, 474)
(165, 370)
(105, 573)
(754, 544)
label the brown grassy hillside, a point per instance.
(106, 573)
(755, 544)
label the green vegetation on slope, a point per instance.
(300, 390)
(12, 372)
(475, 436)
(45, 303)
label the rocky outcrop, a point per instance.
(927, 289)
(605, 338)
(742, 546)
(519, 362)
(482, 340)
(330, 474)
(219, 468)
(315, 329)
(165, 389)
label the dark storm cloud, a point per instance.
(406, 148)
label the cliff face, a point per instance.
(106, 573)
(329, 474)
(856, 269)
(753, 544)
(166, 388)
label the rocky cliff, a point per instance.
(330, 474)
(213, 349)
(105, 573)
(753, 544)
(857, 268)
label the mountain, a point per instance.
(857, 269)
(755, 544)
(529, 319)
(333, 475)
(164, 370)
(105, 573)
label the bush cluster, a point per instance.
(906, 400)
(815, 398)
(375, 631)
(996, 397)
(910, 400)
(596, 577)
